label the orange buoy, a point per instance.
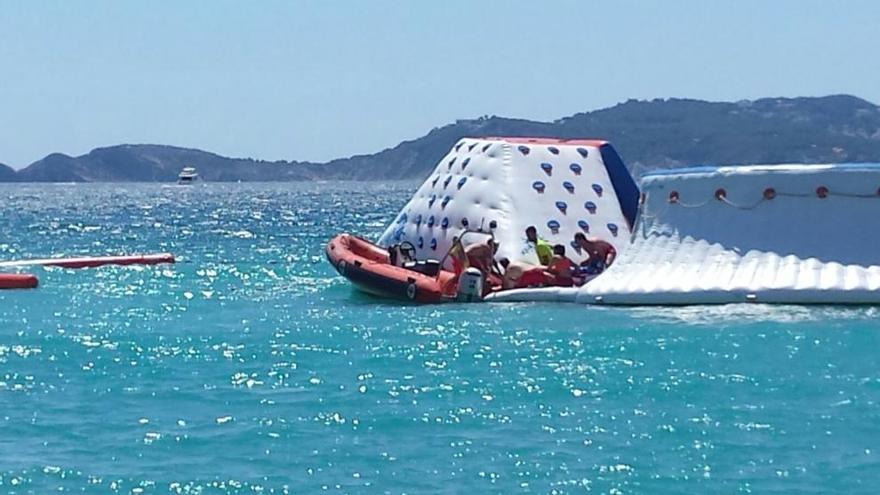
(18, 281)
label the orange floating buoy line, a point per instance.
(29, 281)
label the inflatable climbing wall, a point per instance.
(771, 234)
(504, 185)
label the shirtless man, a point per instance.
(482, 257)
(518, 274)
(601, 254)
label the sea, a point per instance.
(250, 366)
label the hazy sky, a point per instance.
(324, 79)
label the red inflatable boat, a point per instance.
(370, 268)
(18, 281)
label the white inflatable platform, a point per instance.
(708, 235)
(765, 234)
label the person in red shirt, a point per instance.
(561, 269)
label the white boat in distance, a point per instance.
(187, 176)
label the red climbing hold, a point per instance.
(769, 193)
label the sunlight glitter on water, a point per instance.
(250, 366)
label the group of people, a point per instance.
(554, 267)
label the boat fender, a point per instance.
(411, 291)
(340, 267)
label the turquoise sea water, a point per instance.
(250, 367)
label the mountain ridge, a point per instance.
(659, 133)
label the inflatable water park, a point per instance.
(532, 219)
(504, 219)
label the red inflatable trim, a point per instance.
(18, 281)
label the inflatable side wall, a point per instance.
(559, 186)
(775, 234)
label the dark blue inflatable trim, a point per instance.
(624, 186)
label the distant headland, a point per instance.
(659, 133)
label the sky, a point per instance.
(316, 80)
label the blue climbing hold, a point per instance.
(418, 220)
(547, 168)
(524, 150)
(553, 225)
(431, 221)
(561, 206)
(538, 186)
(553, 149)
(459, 145)
(613, 228)
(434, 244)
(568, 186)
(598, 189)
(471, 147)
(445, 222)
(461, 182)
(447, 181)
(590, 206)
(434, 182)
(464, 164)
(464, 222)
(445, 201)
(583, 152)
(486, 147)
(431, 201)
(402, 218)
(451, 163)
(576, 168)
(421, 243)
(584, 225)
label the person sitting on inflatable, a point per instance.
(560, 272)
(542, 247)
(601, 254)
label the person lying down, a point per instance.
(560, 272)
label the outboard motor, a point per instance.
(470, 286)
